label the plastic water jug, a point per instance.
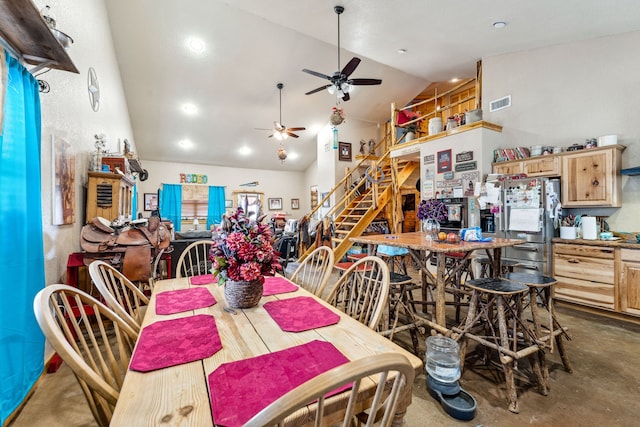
(443, 359)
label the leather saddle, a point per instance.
(130, 249)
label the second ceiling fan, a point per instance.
(279, 131)
(341, 84)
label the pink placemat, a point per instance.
(203, 279)
(277, 285)
(176, 341)
(170, 302)
(241, 389)
(300, 314)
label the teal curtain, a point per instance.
(134, 202)
(171, 204)
(216, 206)
(21, 244)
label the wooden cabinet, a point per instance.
(542, 166)
(630, 281)
(109, 195)
(585, 274)
(508, 168)
(592, 178)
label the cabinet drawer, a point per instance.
(584, 292)
(584, 268)
(605, 252)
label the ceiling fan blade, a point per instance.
(346, 97)
(318, 89)
(294, 129)
(292, 135)
(317, 74)
(361, 82)
(351, 66)
(262, 129)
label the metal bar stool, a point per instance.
(541, 296)
(495, 321)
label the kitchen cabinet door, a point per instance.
(508, 168)
(630, 281)
(542, 166)
(592, 178)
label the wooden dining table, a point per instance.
(180, 395)
(422, 249)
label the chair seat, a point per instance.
(530, 279)
(497, 286)
(356, 257)
(397, 278)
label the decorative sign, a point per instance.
(464, 156)
(449, 184)
(193, 178)
(469, 166)
(427, 190)
(444, 161)
(429, 159)
(447, 175)
(469, 180)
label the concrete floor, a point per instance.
(603, 390)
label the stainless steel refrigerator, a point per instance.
(528, 209)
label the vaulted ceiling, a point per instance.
(251, 45)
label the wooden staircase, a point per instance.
(363, 209)
(368, 197)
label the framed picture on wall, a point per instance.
(344, 151)
(444, 161)
(150, 201)
(295, 203)
(275, 204)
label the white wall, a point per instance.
(67, 114)
(563, 94)
(274, 184)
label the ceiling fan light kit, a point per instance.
(341, 85)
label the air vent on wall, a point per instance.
(499, 104)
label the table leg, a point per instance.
(497, 262)
(440, 293)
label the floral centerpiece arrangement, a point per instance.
(243, 250)
(432, 209)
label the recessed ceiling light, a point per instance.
(402, 51)
(454, 80)
(185, 143)
(195, 44)
(189, 109)
(499, 24)
(292, 156)
(245, 151)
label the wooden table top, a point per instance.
(418, 240)
(179, 395)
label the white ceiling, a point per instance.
(251, 45)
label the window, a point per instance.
(195, 204)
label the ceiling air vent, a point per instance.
(499, 104)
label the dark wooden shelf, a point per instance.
(24, 30)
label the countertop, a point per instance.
(622, 243)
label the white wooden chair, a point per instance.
(362, 291)
(390, 371)
(94, 342)
(314, 272)
(194, 260)
(120, 294)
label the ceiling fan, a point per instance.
(340, 81)
(281, 132)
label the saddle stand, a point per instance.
(134, 250)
